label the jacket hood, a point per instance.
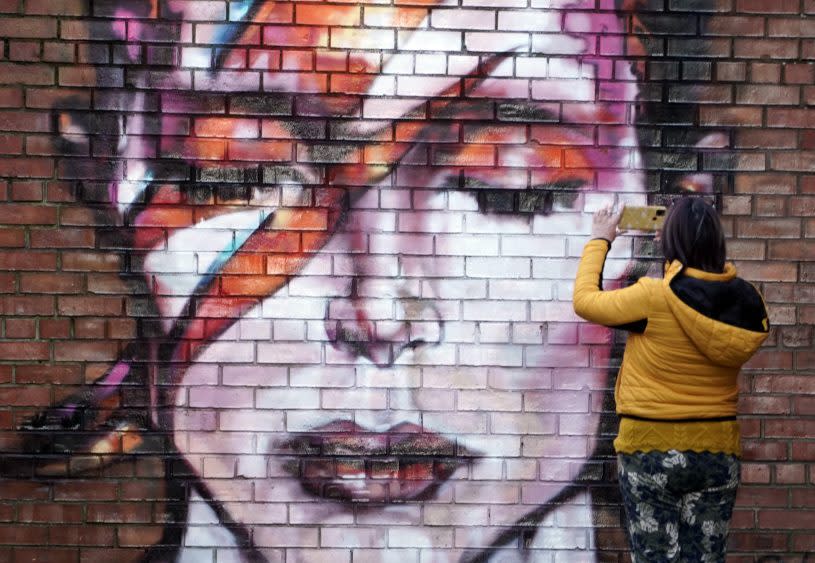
(723, 315)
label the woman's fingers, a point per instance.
(604, 223)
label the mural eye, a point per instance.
(541, 199)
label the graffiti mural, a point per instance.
(346, 237)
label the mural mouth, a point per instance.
(345, 462)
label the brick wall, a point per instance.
(291, 281)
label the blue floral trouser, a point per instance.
(678, 504)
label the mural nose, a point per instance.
(381, 330)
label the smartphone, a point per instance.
(646, 218)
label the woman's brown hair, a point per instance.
(693, 235)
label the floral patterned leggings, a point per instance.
(678, 504)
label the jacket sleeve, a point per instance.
(616, 308)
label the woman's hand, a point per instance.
(604, 224)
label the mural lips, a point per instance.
(344, 461)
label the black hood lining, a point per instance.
(734, 302)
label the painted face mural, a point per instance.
(360, 235)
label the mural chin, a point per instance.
(346, 436)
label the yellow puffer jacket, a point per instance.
(691, 332)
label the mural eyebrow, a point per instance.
(470, 82)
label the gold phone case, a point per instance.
(646, 218)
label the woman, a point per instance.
(678, 442)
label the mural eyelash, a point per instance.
(541, 199)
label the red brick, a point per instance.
(780, 519)
(24, 51)
(25, 396)
(770, 206)
(809, 95)
(26, 191)
(791, 27)
(768, 228)
(796, 336)
(11, 97)
(792, 250)
(89, 262)
(56, 7)
(746, 249)
(58, 52)
(63, 237)
(766, 138)
(120, 512)
(803, 451)
(755, 473)
(804, 359)
(60, 192)
(89, 328)
(64, 98)
(757, 48)
(761, 6)
(89, 76)
(12, 238)
(767, 359)
(120, 555)
(27, 305)
(55, 282)
(789, 117)
(85, 351)
(83, 535)
(782, 315)
(802, 206)
(764, 450)
(26, 74)
(137, 535)
(732, 116)
(21, 328)
(765, 183)
(28, 27)
(803, 406)
(27, 167)
(48, 374)
(807, 141)
(51, 513)
(28, 351)
(790, 474)
(738, 26)
(764, 405)
(803, 161)
(731, 71)
(755, 541)
(55, 328)
(766, 94)
(11, 144)
(789, 428)
(7, 283)
(762, 497)
(91, 305)
(801, 73)
(19, 214)
(22, 535)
